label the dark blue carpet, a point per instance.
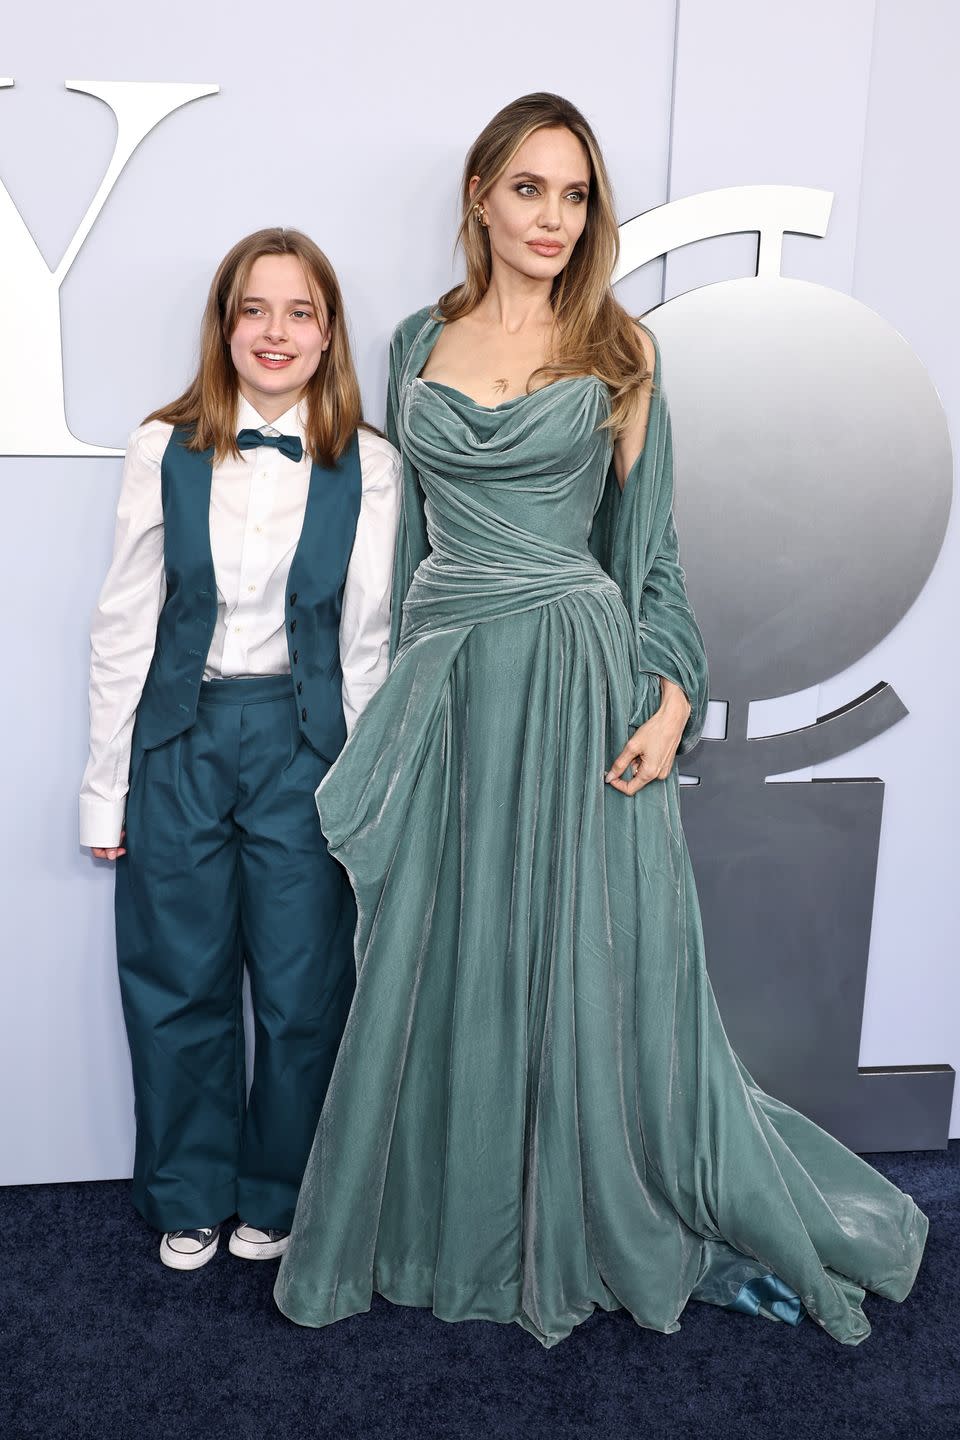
(100, 1341)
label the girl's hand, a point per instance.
(111, 851)
(650, 752)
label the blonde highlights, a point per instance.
(208, 407)
(593, 334)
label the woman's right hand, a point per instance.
(109, 852)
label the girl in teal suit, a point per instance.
(242, 629)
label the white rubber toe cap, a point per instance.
(249, 1243)
(180, 1251)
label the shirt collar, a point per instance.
(291, 422)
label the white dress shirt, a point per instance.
(257, 505)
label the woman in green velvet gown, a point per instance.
(535, 1110)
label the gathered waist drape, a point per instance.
(476, 587)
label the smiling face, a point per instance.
(280, 335)
(537, 209)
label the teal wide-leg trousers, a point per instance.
(227, 866)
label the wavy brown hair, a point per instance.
(593, 334)
(208, 406)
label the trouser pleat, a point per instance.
(226, 866)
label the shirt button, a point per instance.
(251, 588)
(259, 529)
(238, 627)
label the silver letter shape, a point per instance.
(33, 420)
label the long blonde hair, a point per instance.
(593, 334)
(208, 406)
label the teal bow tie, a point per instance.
(289, 445)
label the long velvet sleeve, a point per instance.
(412, 543)
(669, 638)
(635, 539)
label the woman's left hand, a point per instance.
(650, 752)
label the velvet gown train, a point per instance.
(535, 1110)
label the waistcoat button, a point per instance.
(293, 598)
(299, 687)
(296, 656)
(303, 714)
(293, 626)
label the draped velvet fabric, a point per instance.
(535, 1110)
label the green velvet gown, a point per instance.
(535, 1110)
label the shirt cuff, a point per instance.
(101, 821)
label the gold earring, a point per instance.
(479, 214)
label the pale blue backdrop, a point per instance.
(352, 123)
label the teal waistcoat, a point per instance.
(168, 705)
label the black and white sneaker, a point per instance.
(189, 1249)
(250, 1243)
